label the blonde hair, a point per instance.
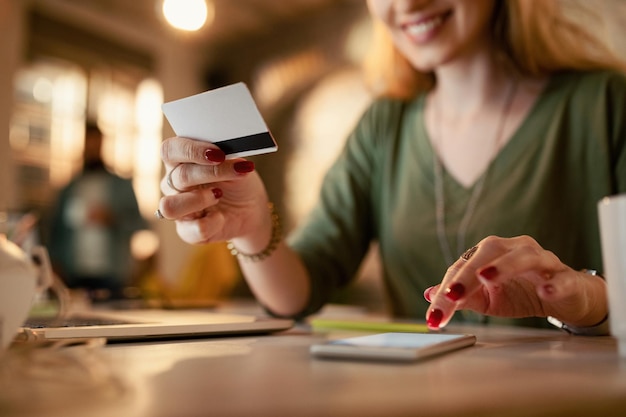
(534, 36)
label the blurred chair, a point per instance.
(210, 275)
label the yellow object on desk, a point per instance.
(365, 325)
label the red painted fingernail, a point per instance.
(489, 273)
(217, 193)
(214, 155)
(243, 167)
(427, 294)
(548, 288)
(434, 318)
(456, 291)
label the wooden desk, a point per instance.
(510, 372)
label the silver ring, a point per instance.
(158, 214)
(469, 253)
(169, 180)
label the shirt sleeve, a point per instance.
(337, 234)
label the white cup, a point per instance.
(612, 217)
(18, 282)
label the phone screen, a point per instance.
(398, 340)
(393, 346)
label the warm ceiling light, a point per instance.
(187, 14)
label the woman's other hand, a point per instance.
(516, 277)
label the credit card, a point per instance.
(226, 116)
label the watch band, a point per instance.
(600, 329)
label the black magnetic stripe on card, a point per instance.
(247, 143)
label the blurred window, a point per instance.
(73, 75)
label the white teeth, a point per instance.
(423, 27)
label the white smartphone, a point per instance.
(402, 347)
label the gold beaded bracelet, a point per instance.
(271, 246)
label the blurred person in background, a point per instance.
(93, 221)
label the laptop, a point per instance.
(139, 324)
(148, 324)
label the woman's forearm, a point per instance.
(279, 282)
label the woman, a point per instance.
(494, 126)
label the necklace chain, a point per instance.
(440, 205)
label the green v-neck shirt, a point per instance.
(545, 182)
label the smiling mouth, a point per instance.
(424, 28)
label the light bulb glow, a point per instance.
(189, 15)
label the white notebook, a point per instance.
(148, 324)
